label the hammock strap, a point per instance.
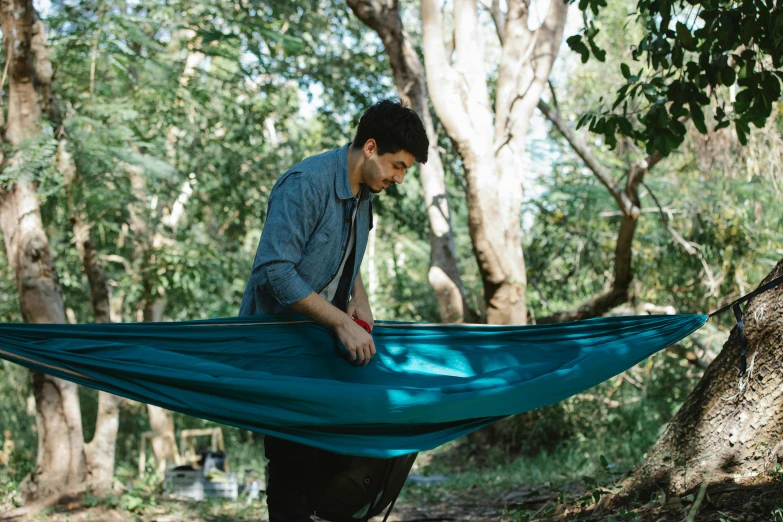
(388, 512)
(735, 306)
(760, 290)
(743, 339)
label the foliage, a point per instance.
(694, 57)
(718, 195)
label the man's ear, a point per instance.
(370, 148)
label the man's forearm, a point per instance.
(321, 311)
(358, 290)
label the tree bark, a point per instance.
(729, 429)
(492, 143)
(383, 16)
(61, 459)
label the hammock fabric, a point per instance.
(282, 375)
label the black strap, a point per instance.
(391, 506)
(743, 339)
(735, 306)
(763, 288)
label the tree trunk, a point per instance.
(730, 428)
(383, 16)
(153, 302)
(100, 451)
(61, 460)
(492, 143)
(162, 422)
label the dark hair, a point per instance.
(394, 127)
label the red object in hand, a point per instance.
(362, 324)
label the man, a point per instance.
(318, 221)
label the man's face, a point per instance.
(382, 171)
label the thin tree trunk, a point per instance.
(383, 16)
(61, 460)
(161, 420)
(492, 143)
(154, 300)
(100, 451)
(151, 308)
(730, 428)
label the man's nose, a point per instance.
(398, 178)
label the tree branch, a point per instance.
(469, 65)
(581, 149)
(551, 33)
(690, 247)
(442, 81)
(628, 202)
(497, 19)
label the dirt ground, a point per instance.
(564, 503)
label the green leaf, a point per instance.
(625, 126)
(625, 70)
(583, 119)
(677, 56)
(685, 37)
(599, 53)
(743, 130)
(743, 100)
(698, 117)
(621, 94)
(604, 462)
(578, 46)
(728, 76)
(771, 86)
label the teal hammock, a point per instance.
(282, 375)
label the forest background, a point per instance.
(572, 175)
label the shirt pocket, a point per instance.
(318, 240)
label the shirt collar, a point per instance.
(342, 185)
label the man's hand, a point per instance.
(359, 307)
(357, 341)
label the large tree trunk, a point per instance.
(100, 451)
(61, 461)
(492, 143)
(383, 16)
(730, 428)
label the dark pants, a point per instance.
(293, 475)
(294, 472)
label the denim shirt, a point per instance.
(306, 233)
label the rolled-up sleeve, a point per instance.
(292, 215)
